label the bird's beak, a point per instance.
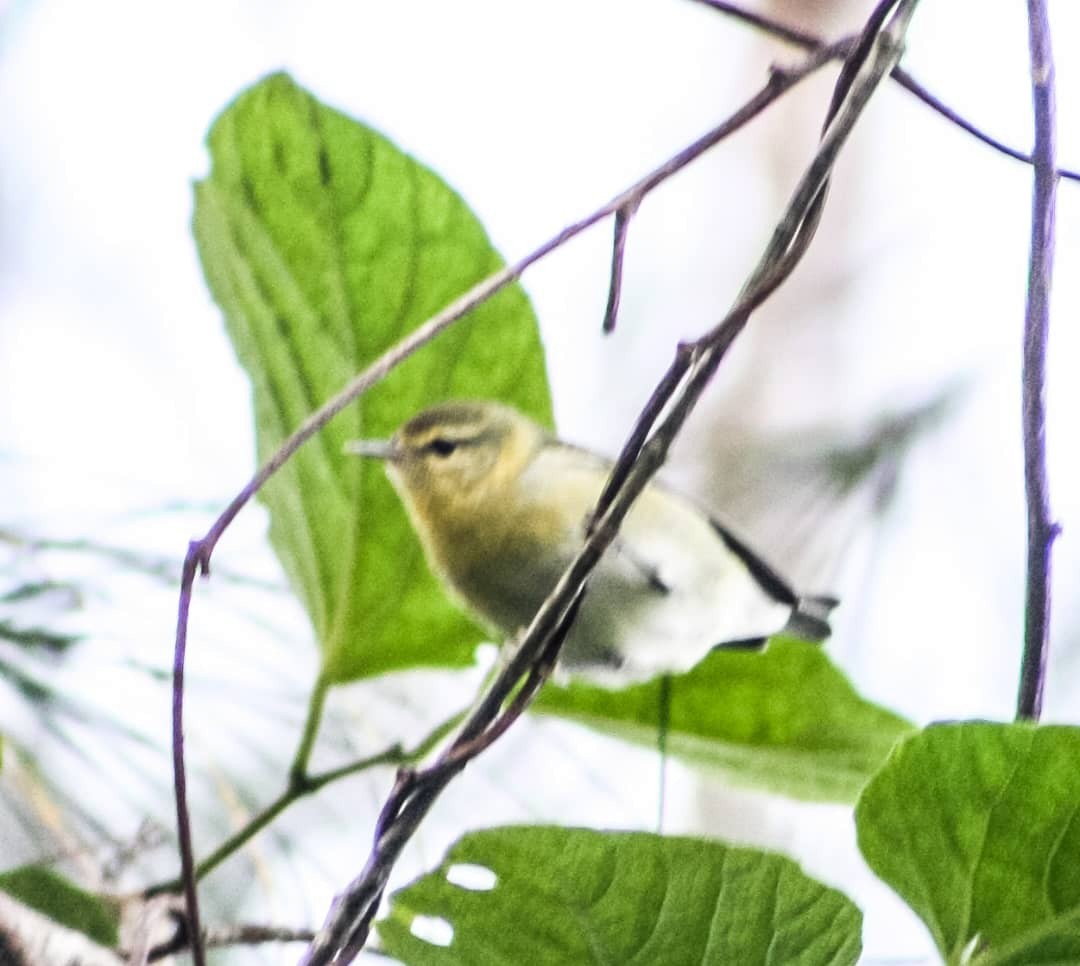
(380, 449)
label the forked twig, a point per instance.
(810, 41)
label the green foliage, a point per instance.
(786, 720)
(324, 244)
(38, 638)
(578, 896)
(54, 896)
(977, 826)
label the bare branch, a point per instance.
(809, 41)
(1041, 530)
(766, 24)
(909, 83)
(251, 934)
(240, 934)
(183, 819)
(618, 249)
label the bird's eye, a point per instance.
(441, 447)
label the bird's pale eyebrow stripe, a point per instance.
(465, 435)
(461, 416)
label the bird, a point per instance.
(501, 505)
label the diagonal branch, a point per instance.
(810, 41)
(766, 24)
(1041, 529)
(349, 919)
(348, 922)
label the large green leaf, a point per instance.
(785, 719)
(62, 901)
(577, 896)
(977, 826)
(324, 244)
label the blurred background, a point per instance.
(864, 432)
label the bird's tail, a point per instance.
(809, 620)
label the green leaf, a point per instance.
(564, 895)
(785, 719)
(65, 903)
(977, 826)
(324, 244)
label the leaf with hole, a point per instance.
(564, 895)
(324, 244)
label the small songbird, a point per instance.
(501, 508)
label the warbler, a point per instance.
(501, 507)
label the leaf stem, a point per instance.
(296, 789)
(298, 776)
(304, 785)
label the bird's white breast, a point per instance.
(667, 591)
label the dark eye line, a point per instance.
(444, 446)
(441, 446)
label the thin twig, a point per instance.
(643, 454)
(810, 41)
(240, 934)
(301, 787)
(909, 83)
(1040, 527)
(779, 259)
(183, 820)
(200, 551)
(618, 249)
(348, 921)
(252, 935)
(765, 24)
